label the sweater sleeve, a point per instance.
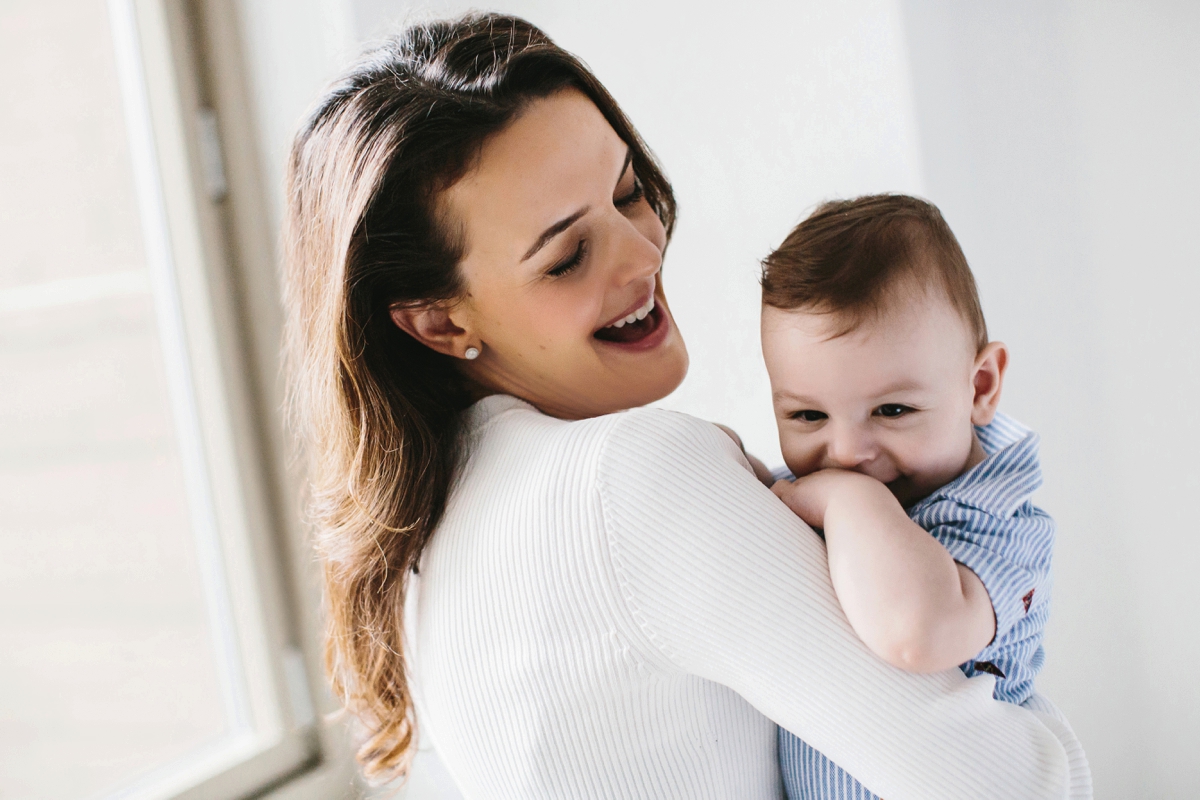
(724, 582)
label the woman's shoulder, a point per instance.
(645, 445)
(658, 429)
(662, 438)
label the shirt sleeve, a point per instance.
(1010, 556)
(724, 582)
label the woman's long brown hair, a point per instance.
(377, 413)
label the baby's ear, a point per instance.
(988, 380)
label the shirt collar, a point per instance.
(490, 407)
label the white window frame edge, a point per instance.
(282, 753)
(249, 238)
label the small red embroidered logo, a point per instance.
(1028, 600)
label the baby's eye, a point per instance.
(892, 410)
(809, 415)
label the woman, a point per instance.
(585, 600)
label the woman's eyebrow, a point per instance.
(566, 222)
(554, 230)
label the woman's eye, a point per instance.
(570, 262)
(633, 196)
(892, 410)
(809, 415)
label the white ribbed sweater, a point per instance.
(616, 608)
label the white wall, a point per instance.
(1058, 137)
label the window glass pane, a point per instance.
(111, 664)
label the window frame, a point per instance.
(205, 171)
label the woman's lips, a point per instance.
(641, 334)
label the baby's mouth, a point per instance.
(635, 327)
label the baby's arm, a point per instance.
(909, 601)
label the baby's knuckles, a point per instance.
(811, 496)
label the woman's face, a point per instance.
(562, 267)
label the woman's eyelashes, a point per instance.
(634, 195)
(572, 261)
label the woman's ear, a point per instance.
(432, 325)
(988, 380)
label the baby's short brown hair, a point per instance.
(848, 255)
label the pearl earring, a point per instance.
(471, 354)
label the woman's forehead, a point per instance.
(557, 158)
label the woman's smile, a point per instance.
(644, 328)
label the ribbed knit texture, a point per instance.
(616, 608)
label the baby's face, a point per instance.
(893, 399)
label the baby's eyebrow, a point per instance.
(783, 394)
(899, 386)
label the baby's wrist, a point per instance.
(858, 496)
(813, 495)
(852, 488)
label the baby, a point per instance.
(885, 389)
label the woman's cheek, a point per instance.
(580, 311)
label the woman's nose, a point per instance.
(638, 255)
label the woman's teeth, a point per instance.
(636, 316)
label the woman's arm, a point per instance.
(730, 585)
(904, 594)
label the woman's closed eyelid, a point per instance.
(571, 262)
(632, 196)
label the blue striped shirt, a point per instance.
(987, 522)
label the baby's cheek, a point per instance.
(800, 460)
(937, 463)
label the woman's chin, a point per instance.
(658, 379)
(634, 382)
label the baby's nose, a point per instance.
(849, 450)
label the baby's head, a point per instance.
(876, 346)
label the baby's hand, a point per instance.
(809, 496)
